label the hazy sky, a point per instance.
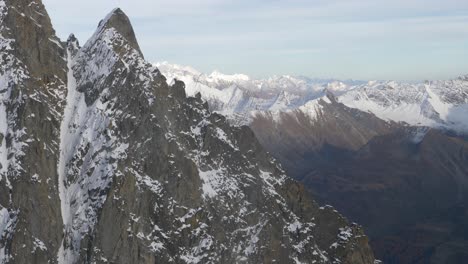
(359, 39)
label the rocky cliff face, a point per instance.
(103, 162)
(32, 86)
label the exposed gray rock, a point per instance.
(119, 21)
(32, 81)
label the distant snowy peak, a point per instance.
(216, 76)
(440, 104)
(312, 109)
(238, 95)
(176, 70)
(220, 81)
(337, 87)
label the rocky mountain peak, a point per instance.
(73, 45)
(120, 22)
(28, 24)
(72, 39)
(110, 164)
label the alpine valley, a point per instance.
(391, 156)
(103, 162)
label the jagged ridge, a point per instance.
(438, 104)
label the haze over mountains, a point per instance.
(391, 156)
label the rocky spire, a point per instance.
(73, 45)
(32, 85)
(119, 21)
(28, 23)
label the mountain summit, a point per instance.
(120, 22)
(104, 162)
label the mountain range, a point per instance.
(392, 156)
(437, 104)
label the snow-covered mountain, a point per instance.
(101, 161)
(441, 104)
(237, 96)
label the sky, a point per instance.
(344, 39)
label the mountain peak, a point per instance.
(73, 44)
(26, 27)
(119, 21)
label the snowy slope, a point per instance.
(440, 104)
